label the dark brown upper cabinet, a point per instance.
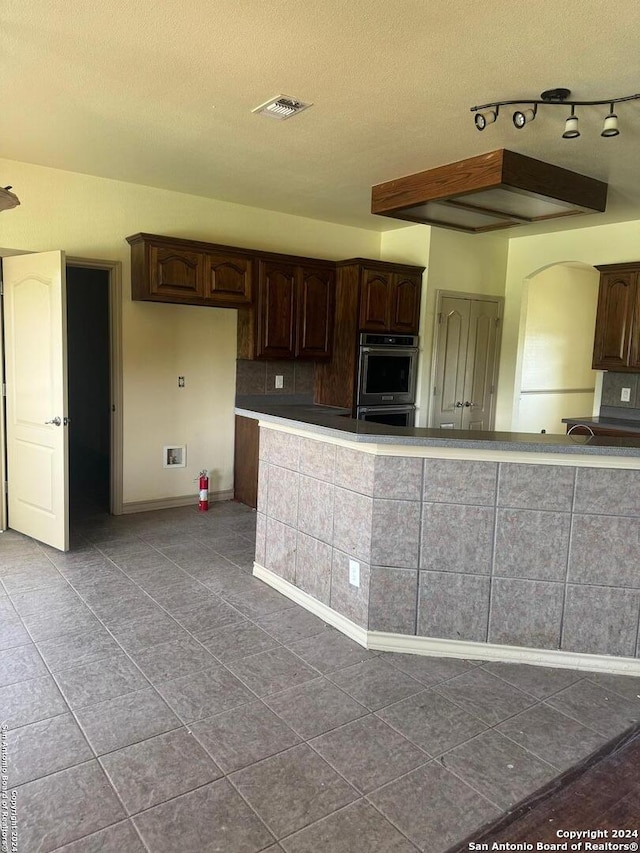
(174, 274)
(371, 296)
(405, 303)
(390, 301)
(276, 310)
(375, 301)
(617, 336)
(227, 279)
(168, 269)
(293, 317)
(315, 311)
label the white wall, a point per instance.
(89, 218)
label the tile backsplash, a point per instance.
(256, 378)
(611, 406)
(612, 385)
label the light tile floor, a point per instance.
(157, 697)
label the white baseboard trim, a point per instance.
(407, 644)
(323, 611)
(169, 503)
(431, 646)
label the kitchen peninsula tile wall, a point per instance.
(541, 556)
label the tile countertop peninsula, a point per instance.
(491, 546)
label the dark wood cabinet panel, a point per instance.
(276, 310)
(245, 467)
(375, 301)
(168, 269)
(334, 381)
(405, 303)
(390, 302)
(315, 312)
(294, 313)
(371, 296)
(175, 274)
(227, 279)
(614, 348)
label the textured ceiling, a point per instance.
(161, 93)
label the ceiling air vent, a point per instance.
(281, 107)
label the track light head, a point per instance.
(483, 119)
(522, 117)
(571, 126)
(610, 127)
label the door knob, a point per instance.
(55, 421)
(468, 404)
(459, 405)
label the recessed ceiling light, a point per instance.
(281, 107)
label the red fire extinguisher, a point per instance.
(203, 499)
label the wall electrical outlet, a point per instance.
(354, 573)
(279, 381)
(625, 395)
(180, 381)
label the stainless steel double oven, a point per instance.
(386, 389)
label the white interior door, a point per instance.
(466, 353)
(479, 397)
(36, 376)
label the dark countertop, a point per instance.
(611, 423)
(334, 422)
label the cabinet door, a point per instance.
(227, 280)
(316, 299)
(375, 301)
(405, 304)
(614, 320)
(276, 310)
(175, 275)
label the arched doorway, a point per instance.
(555, 379)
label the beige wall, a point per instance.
(90, 217)
(469, 263)
(559, 310)
(600, 244)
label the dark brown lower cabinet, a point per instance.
(245, 462)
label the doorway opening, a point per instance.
(88, 372)
(94, 372)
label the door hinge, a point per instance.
(6, 487)
(497, 322)
(440, 318)
(4, 389)
(435, 391)
(492, 389)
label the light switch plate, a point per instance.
(279, 381)
(625, 395)
(354, 573)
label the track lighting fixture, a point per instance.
(610, 124)
(522, 118)
(488, 113)
(571, 126)
(483, 119)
